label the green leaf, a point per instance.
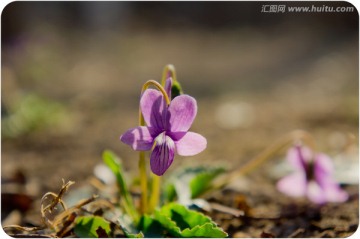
(189, 183)
(147, 227)
(202, 180)
(179, 221)
(169, 192)
(183, 217)
(129, 234)
(168, 224)
(208, 230)
(86, 227)
(114, 163)
(150, 227)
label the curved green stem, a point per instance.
(155, 193)
(144, 206)
(159, 87)
(143, 183)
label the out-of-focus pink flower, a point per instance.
(313, 177)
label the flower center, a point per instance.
(162, 140)
(309, 170)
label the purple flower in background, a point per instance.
(313, 177)
(167, 129)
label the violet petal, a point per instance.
(334, 193)
(168, 85)
(162, 155)
(139, 138)
(299, 156)
(181, 113)
(293, 185)
(190, 144)
(323, 165)
(315, 193)
(154, 109)
(324, 176)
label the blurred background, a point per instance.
(72, 72)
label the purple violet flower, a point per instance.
(167, 129)
(313, 177)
